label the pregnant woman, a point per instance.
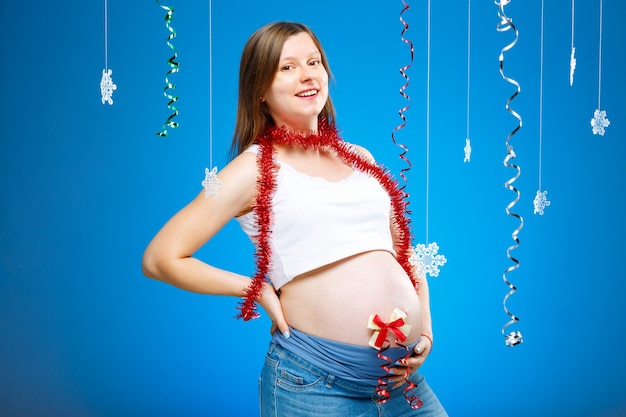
(351, 319)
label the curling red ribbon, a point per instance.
(414, 400)
(393, 326)
(403, 72)
(382, 389)
(409, 395)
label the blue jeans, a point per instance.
(291, 387)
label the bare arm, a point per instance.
(169, 256)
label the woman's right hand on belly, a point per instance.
(271, 304)
(410, 365)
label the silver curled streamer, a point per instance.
(512, 338)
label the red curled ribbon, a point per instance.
(409, 395)
(382, 389)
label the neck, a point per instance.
(304, 126)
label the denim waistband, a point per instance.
(350, 362)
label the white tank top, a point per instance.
(318, 222)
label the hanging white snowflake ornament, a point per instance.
(427, 259)
(107, 87)
(572, 66)
(599, 122)
(211, 183)
(540, 202)
(468, 150)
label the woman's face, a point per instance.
(300, 87)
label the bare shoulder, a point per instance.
(235, 191)
(363, 152)
(239, 181)
(242, 168)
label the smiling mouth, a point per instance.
(308, 93)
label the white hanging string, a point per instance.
(600, 59)
(541, 97)
(572, 59)
(573, 21)
(106, 34)
(469, 8)
(211, 83)
(427, 118)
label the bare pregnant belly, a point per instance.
(335, 302)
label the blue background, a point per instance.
(84, 187)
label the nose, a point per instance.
(308, 74)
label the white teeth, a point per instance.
(308, 93)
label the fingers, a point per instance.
(398, 375)
(282, 326)
(422, 348)
(271, 303)
(411, 364)
(283, 329)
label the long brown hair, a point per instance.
(258, 66)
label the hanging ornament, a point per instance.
(106, 82)
(174, 67)
(599, 121)
(511, 338)
(211, 183)
(107, 87)
(467, 149)
(426, 258)
(541, 202)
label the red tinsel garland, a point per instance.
(328, 138)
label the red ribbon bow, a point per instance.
(394, 326)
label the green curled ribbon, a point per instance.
(169, 16)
